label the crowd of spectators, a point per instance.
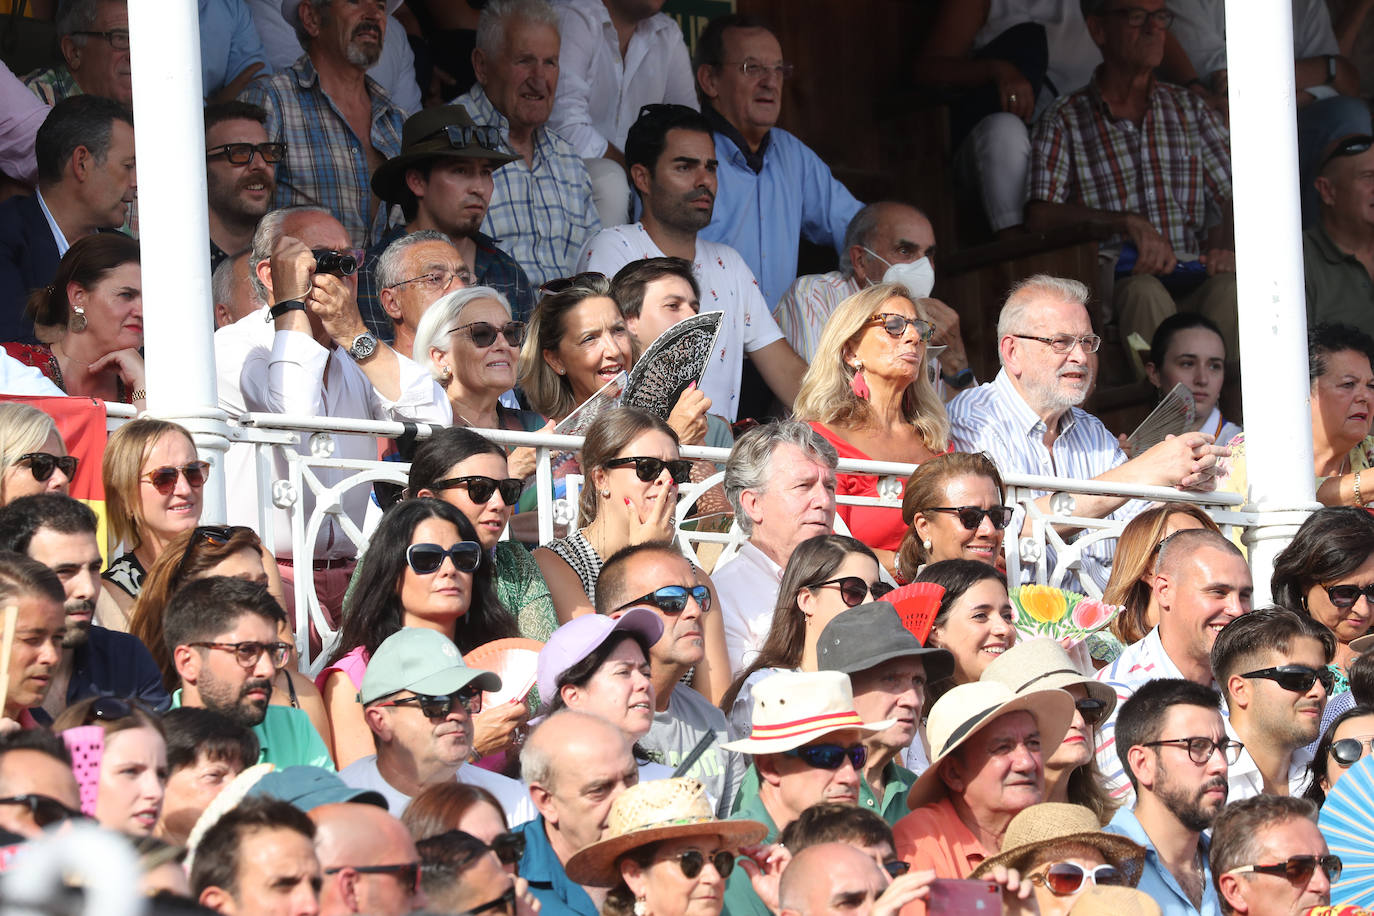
(477, 217)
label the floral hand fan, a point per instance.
(1064, 616)
(516, 660)
(917, 604)
(676, 359)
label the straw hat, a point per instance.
(1054, 824)
(968, 709)
(661, 809)
(1114, 901)
(792, 708)
(1039, 664)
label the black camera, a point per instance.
(338, 263)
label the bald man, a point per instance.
(575, 766)
(369, 861)
(839, 879)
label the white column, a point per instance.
(1273, 316)
(174, 228)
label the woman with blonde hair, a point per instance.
(33, 458)
(153, 479)
(869, 392)
(1133, 570)
(955, 509)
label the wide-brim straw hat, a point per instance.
(969, 708)
(1114, 901)
(1042, 663)
(793, 708)
(661, 809)
(1050, 825)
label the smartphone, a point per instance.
(949, 897)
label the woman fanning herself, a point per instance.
(955, 509)
(92, 314)
(976, 621)
(869, 392)
(1187, 349)
(423, 568)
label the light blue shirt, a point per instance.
(229, 43)
(1157, 881)
(762, 215)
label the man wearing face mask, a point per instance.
(886, 242)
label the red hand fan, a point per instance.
(917, 604)
(86, 744)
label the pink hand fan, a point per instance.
(917, 604)
(86, 744)
(515, 660)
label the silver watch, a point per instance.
(363, 346)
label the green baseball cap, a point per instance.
(422, 661)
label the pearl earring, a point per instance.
(926, 545)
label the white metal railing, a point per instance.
(311, 491)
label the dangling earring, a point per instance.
(78, 322)
(641, 907)
(445, 375)
(858, 384)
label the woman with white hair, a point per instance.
(471, 344)
(33, 458)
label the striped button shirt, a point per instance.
(995, 419)
(1140, 662)
(325, 165)
(1174, 168)
(542, 214)
(804, 309)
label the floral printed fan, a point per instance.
(1064, 616)
(515, 660)
(917, 604)
(676, 359)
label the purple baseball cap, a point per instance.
(579, 637)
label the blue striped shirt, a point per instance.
(325, 165)
(542, 214)
(995, 419)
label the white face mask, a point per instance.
(917, 276)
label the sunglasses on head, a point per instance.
(1350, 146)
(41, 464)
(242, 153)
(1297, 869)
(1296, 678)
(480, 488)
(427, 558)
(1342, 596)
(483, 333)
(1092, 710)
(1348, 751)
(896, 867)
(830, 756)
(672, 599)
(407, 873)
(44, 810)
(854, 590)
(648, 469)
(562, 284)
(437, 707)
(971, 517)
(461, 136)
(1064, 879)
(509, 847)
(110, 709)
(692, 861)
(164, 479)
(895, 325)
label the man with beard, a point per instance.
(1028, 418)
(338, 125)
(656, 576)
(60, 533)
(1173, 744)
(222, 634)
(672, 163)
(419, 699)
(1272, 668)
(239, 175)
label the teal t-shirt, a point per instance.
(285, 738)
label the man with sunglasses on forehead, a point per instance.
(688, 730)
(1272, 668)
(1338, 247)
(419, 699)
(240, 175)
(1269, 858)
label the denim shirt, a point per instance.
(1158, 881)
(558, 894)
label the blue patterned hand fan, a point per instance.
(1347, 822)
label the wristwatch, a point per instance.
(363, 346)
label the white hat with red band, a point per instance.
(793, 708)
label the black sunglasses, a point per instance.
(562, 284)
(210, 534)
(242, 153)
(480, 488)
(854, 590)
(112, 709)
(509, 847)
(1350, 146)
(483, 333)
(830, 756)
(1297, 678)
(648, 469)
(1342, 596)
(1064, 879)
(1348, 751)
(1297, 869)
(972, 516)
(407, 873)
(41, 464)
(896, 867)
(427, 558)
(692, 861)
(461, 136)
(437, 707)
(44, 810)
(672, 599)
(506, 901)
(1092, 710)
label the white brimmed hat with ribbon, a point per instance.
(793, 708)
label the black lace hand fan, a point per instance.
(675, 360)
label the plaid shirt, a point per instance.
(541, 215)
(325, 165)
(1174, 169)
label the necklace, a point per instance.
(56, 365)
